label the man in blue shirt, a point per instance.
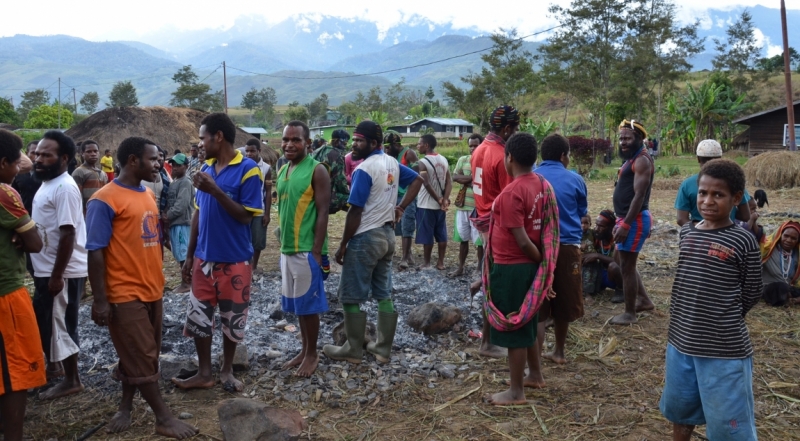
(567, 306)
(218, 258)
(686, 199)
(368, 243)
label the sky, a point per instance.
(100, 21)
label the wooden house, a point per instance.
(766, 132)
(442, 127)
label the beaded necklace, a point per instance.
(786, 264)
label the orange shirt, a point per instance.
(123, 222)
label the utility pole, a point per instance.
(225, 87)
(75, 100)
(787, 72)
(59, 103)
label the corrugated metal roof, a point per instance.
(756, 115)
(446, 121)
(254, 130)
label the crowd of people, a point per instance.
(539, 256)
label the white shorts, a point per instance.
(302, 285)
(465, 231)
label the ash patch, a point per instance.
(273, 341)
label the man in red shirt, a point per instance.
(489, 178)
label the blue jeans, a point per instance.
(368, 266)
(712, 391)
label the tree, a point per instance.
(775, 64)
(46, 117)
(89, 102)
(374, 101)
(31, 99)
(298, 113)
(194, 95)
(507, 76)
(429, 93)
(318, 108)
(7, 113)
(739, 53)
(123, 94)
(262, 101)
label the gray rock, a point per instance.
(247, 420)
(241, 359)
(172, 366)
(445, 372)
(313, 414)
(433, 318)
(339, 336)
(185, 416)
(276, 315)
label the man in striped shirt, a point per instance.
(709, 361)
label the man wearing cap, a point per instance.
(178, 217)
(405, 228)
(489, 178)
(686, 199)
(368, 242)
(332, 155)
(631, 206)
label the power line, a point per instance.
(399, 68)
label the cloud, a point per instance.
(325, 37)
(766, 44)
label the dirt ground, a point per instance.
(593, 397)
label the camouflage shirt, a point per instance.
(333, 158)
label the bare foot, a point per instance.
(506, 398)
(62, 389)
(624, 319)
(440, 266)
(175, 428)
(644, 305)
(195, 382)
(474, 287)
(456, 273)
(119, 422)
(229, 382)
(403, 265)
(492, 351)
(557, 359)
(182, 288)
(424, 266)
(293, 362)
(308, 367)
(536, 382)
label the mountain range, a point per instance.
(284, 55)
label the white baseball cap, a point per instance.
(708, 148)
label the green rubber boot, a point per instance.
(355, 324)
(387, 326)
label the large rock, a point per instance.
(433, 318)
(173, 366)
(246, 420)
(339, 336)
(241, 359)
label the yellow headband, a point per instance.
(633, 125)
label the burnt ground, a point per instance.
(609, 389)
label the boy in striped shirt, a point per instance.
(709, 361)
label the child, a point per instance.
(524, 219)
(23, 365)
(587, 240)
(709, 360)
(180, 200)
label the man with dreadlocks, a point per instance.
(332, 155)
(631, 206)
(489, 178)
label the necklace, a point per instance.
(605, 251)
(786, 264)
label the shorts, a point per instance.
(408, 222)
(510, 285)
(226, 284)
(567, 306)
(258, 233)
(179, 238)
(110, 176)
(464, 231)
(302, 285)
(712, 391)
(135, 330)
(431, 225)
(368, 266)
(21, 357)
(639, 232)
(58, 317)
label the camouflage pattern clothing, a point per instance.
(333, 158)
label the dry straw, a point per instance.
(774, 170)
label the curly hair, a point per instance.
(522, 148)
(220, 122)
(554, 146)
(725, 170)
(10, 145)
(66, 146)
(132, 146)
(475, 136)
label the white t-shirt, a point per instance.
(438, 180)
(57, 203)
(385, 174)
